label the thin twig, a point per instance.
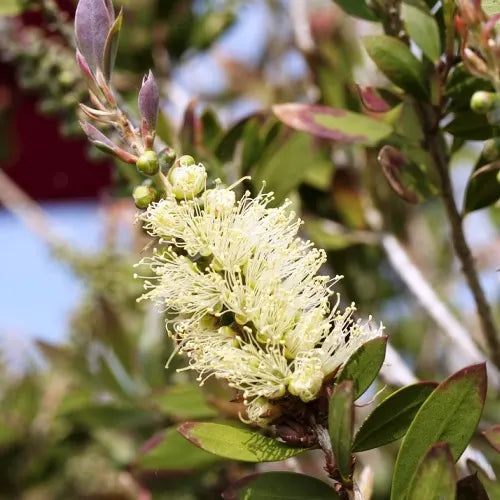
(458, 337)
(430, 120)
(430, 117)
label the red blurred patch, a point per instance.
(44, 163)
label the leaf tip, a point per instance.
(185, 430)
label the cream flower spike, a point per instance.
(245, 301)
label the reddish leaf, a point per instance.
(492, 435)
(335, 124)
(392, 162)
(372, 100)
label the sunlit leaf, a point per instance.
(236, 443)
(436, 476)
(423, 30)
(450, 414)
(183, 402)
(390, 420)
(337, 125)
(170, 451)
(363, 366)
(398, 64)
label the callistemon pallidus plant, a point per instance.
(244, 299)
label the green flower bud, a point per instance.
(185, 161)
(491, 149)
(148, 163)
(482, 102)
(187, 180)
(166, 158)
(143, 196)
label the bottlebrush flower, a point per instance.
(245, 300)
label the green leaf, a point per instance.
(492, 435)
(436, 476)
(390, 420)
(280, 486)
(11, 7)
(330, 235)
(340, 425)
(492, 487)
(363, 366)
(170, 451)
(357, 8)
(252, 145)
(491, 7)
(470, 125)
(398, 64)
(423, 30)
(183, 402)
(284, 168)
(460, 87)
(227, 144)
(212, 129)
(335, 124)
(109, 415)
(483, 188)
(236, 443)
(450, 414)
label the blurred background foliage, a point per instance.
(94, 419)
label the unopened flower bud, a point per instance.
(148, 163)
(307, 378)
(185, 161)
(220, 201)
(482, 102)
(227, 331)
(262, 412)
(166, 158)
(143, 196)
(149, 98)
(187, 180)
(491, 149)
